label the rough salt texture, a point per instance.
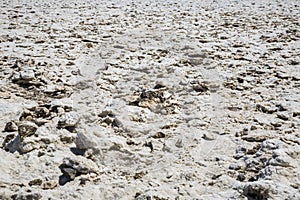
(150, 99)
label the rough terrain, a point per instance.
(149, 99)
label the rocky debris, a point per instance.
(8, 138)
(200, 87)
(68, 121)
(157, 100)
(11, 127)
(39, 115)
(256, 191)
(33, 78)
(30, 120)
(76, 166)
(23, 141)
(33, 196)
(254, 162)
(257, 136)
(108, 118)
(171, 100)
(26, 77)
(49, 185)
(36, 181)
(22, 145)
(266, 108)
(26, 129)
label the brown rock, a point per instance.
(10, 126)
(36, 181)
(26, 129)
(48, 185)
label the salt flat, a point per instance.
(149, 99)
